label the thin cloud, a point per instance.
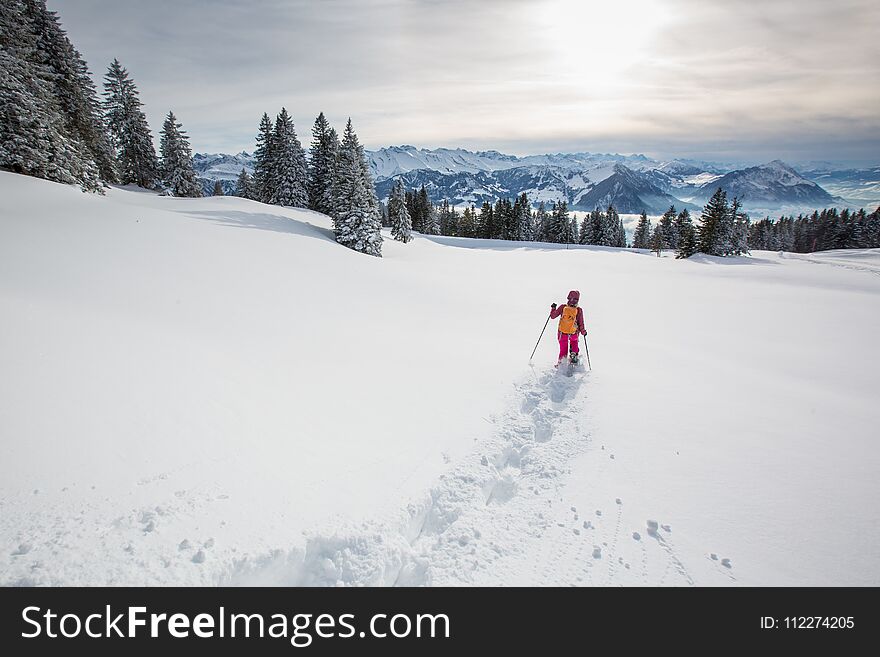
(665, 77)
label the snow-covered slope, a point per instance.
(204, 391)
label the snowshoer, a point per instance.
(570, 324)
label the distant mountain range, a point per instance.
(632, 183)
(211, 167)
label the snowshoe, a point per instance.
(573, 359)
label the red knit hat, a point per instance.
(574, 295)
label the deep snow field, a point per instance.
(212, 391)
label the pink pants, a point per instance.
(564, 341)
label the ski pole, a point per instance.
(539, 338)
(587, 349)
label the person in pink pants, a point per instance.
(570, 324)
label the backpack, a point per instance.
(568, 323)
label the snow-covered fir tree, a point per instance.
(355, 214)
(486, 221)
(561, 224)
(289, 169)
(419, 210)
(244, 185)
(642, 233)
(467, 226)
(263, 159)
(176, 165)
(667, 227)
(714, 235)
(431, 225)
(585, 234)
(74, 89)
(687, 235)
(322, 159)
(607, 235)
(49, 121)
(447, 218)
(740, 242)
(523, 226)
(398, 215)
(129, 131)
(542, 223)
(678, 226)
(503, 214)
(616, 231)
(657, 242)
(218, 189)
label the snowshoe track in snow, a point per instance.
(499, 516)
(504, 515)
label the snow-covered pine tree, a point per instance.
(289, 168)
(486, 222)
(129, 131)
(431, 225)
(562, 224)
(45, 125)
(740, 242)
(597, 219)
(422, 206)
(585, 231)
(683, 218)
(687, 237)
(410, 200)
(74, 89)
(321, 160)
(467, 226)
(607, 235)
(872, 231)
(445, 218)
(453, 221)
(176, 166)
(542, 223)
(218, 189)
(503, 218)
(355, 213)
(523, 226)
(667, 227)
(657, 243)
(712, 234)
(642, 233)
(333, 158)
(615, 236)
(244, 185)
(401, 223)
(263, 158)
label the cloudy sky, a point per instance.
(734, 80)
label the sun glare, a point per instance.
(593, 42)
